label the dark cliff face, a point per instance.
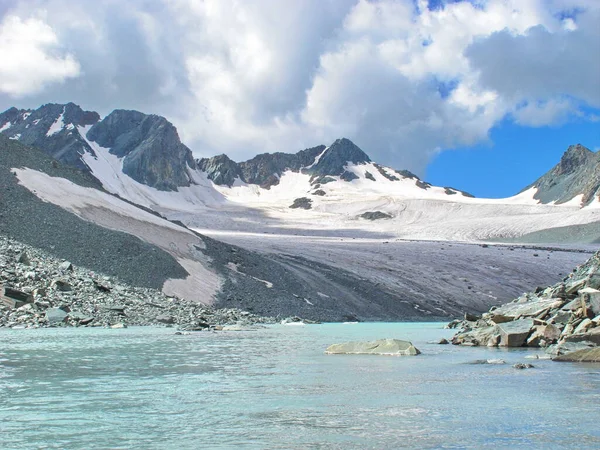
(220, 169)
(52, 128)
(153, 154)
(577, 173)
(265, 169)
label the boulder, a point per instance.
(592, 336)
(567, 347)
(582, 355)
(165, 318)
(391, 347)
(523, 366)
(55, 316)
(62, 285)
(66, 266)
(528, 308)
(514, 334)
(14, 298)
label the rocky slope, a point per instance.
(38, 290)
(563, 318)
(577, 174)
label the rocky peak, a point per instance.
(577, 173)
(220, 169)
(336, 158)
(153, 154)
(52, 128)
(573, 158)
(265, 169)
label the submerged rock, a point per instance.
(391, 347)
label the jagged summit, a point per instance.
(153, 154)
(336, 158)
(577, 174)
(221, 169)
(52, 127)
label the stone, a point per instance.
(591, 336)
(62, 285)
(582, 355)
(472, 317)
(488, 361)
(500, 318)
(66, 266)
(24, 259)
(391, 347)
(55, 316)
(514, 334)
(165, 318)
(14, 298)
(443, 341)
(566, 347)
(528, 308)
(584, 326)
(118, 325)
(591, 300)
(80, 318)
(522, 366)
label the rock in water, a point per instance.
(391, 347)
(583, 355)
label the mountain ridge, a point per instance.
(152, 154)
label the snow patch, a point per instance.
(26, 115)
(58, 125)
(6, 126)
(16, 137)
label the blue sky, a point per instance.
(482, 95)
(514, 157)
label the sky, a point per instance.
(484, 96)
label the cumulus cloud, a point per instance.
(31, 58)
(402, 80)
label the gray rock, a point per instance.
(390, 347)
(514, 334)
(66, 266)
(62, 285)
(302, 203)
(55, 316)
(522, 366)
(165, 318)
(14, 298)
(375, 215)
(581, 355)
(336, 158)
(24, 259)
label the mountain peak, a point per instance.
(573, 158)
(337, 156)
(221, 169)
(577, 173)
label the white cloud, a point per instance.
(30, 57)
(401, 80)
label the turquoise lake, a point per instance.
(274, 388)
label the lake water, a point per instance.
(274, 388)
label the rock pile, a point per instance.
(37, 290)
(563, 318)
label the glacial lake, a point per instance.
(274, 388)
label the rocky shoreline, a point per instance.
(38, 290)
(563, 318)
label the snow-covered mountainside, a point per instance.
(319, 190)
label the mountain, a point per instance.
(322, 233)
(53, 128)
(577, 175)
(148, 145)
